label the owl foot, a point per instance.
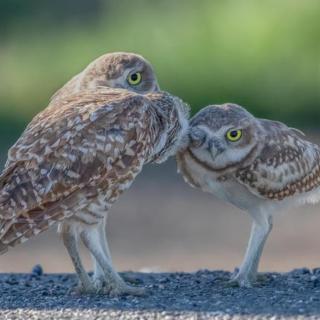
(241, 280)
(118, 288)
(80, 289)
(99, 283)
(124, 289)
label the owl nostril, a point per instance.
(214, 146)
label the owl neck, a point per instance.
(71, 87)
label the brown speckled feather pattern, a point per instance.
(287, 164)
(88, 146)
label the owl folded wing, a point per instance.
(286, 166)
(66, 155)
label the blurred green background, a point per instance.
(264, 55)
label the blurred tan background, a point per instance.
(265, 56)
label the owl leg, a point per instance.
(70, 241)
(115, 284)
(98, 273)
(260, 230)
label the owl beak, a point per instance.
(214, 148)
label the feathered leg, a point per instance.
(70, 241)
(115, 284)
(261, 227)
(98, 273)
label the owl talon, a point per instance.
(80, 289)
(99, 283)
(102, 286)
(125, 289)
(240, 280)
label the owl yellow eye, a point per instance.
(134, 78)
(234, 135)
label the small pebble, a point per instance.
(37, 270)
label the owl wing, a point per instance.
(287, 164)
(67, 155)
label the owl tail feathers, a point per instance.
(3, 246)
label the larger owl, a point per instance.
(77, 156)
(258, 165)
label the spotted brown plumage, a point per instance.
(268, 168)
(77, 156)
(67, 154)
(287, 164)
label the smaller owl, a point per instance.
(260, 166)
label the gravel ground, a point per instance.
(200, 295)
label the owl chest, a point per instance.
(230, 191)
(219, 189)
(206, 180)
(225, 188)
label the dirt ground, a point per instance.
(184, 296)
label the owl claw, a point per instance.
(241, 280)
(247, 281)
(99, 283)
(124, 289)
(102, 286)
(80, 289)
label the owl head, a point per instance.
(120, 70)
(113, 70)
(222, 136)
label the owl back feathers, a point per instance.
(90, 143)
